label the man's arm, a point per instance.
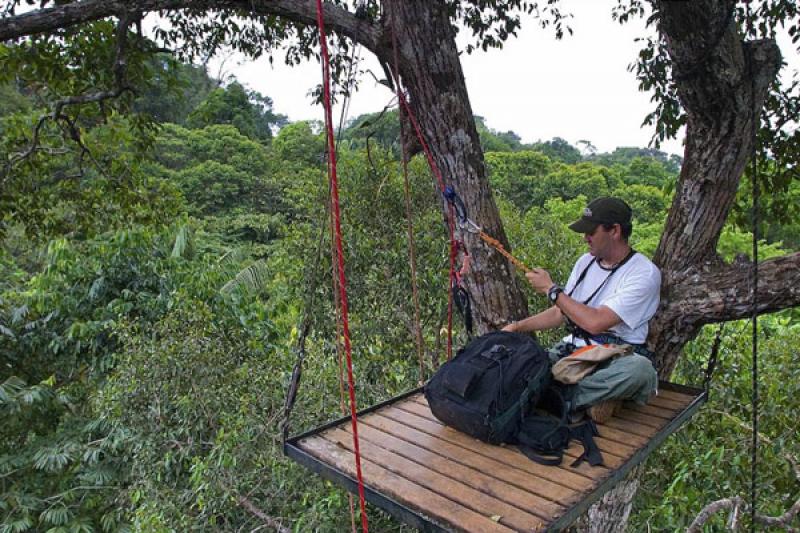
(547, 319)
(594, 320)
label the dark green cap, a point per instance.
(604, 210)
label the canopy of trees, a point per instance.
(134, 386)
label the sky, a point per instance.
(578, 88)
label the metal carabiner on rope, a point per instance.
(463, 222)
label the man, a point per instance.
(609, 298)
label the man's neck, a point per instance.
(616, 255)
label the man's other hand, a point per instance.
(540, 279)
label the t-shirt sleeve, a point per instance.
(636, 301)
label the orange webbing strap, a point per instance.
(494, 243)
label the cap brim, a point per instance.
(583, 226)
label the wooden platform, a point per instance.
(437, 479)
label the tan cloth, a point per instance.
(573, 368)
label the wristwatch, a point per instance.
(553, 293)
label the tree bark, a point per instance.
(430, 69)
(722, 83)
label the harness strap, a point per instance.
(572, 327)
(610, 338)
(585, 433)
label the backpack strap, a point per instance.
(585, 434)
(547, 460)
(549, 430)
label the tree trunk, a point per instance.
(722, 83)
(612, 511)
(430, 70)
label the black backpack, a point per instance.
(545, 433)
(486, 389)
(499, 389)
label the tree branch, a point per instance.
(119, 68)
(722, 83)
(734, 504)
(50, 19)
(268, 520)
(726, 293)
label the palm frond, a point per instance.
(184, 243)
(252, 279)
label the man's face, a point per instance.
(600, 240)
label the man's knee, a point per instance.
(640, 371)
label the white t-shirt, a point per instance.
(633, 293)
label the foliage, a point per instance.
(710, 458)
(625, 154)
(218, 169)
(62, 464)
(176, 90)
(249, 111)
(54, 197)
(558, 149)
(382, 128)
(300, 143)
(75, 81)
(495, 141)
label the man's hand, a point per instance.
(510, 327)
(540, 279)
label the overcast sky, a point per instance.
(577, 88)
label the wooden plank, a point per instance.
(428, 502)
(617, 435)
(465, 495)
(634, 428)
(653, 410)
(434, 427)
(667, 403)
(680, 397)
(641, 418)
(526, 500)
(619, 449)
(560, 489)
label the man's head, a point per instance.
(607, 212)
(606, 226)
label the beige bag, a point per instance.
(582, 362)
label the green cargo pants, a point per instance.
(631, 377)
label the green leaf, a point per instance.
(252, 279)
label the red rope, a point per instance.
(450, 219)
(402, 102)
(412, 260)
(340, 254)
